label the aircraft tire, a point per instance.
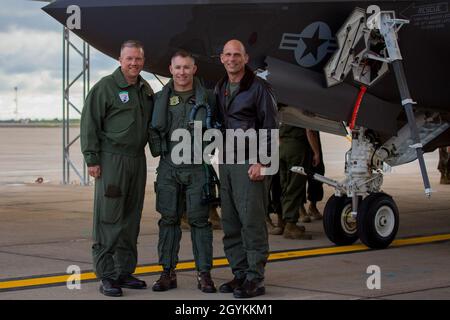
(337, 227)
(377, 220)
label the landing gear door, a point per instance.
(350, 38)
(360, 49)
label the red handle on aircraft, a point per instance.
(361, 93)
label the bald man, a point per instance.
(245, 102)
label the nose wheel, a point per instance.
(376, 223)
(377, 220)
(339, 224)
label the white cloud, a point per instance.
(31, 59)
(45, 106)
(27, 49)
(20, 8)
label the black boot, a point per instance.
(130, 282)
(228, 287)
(250, 289)
(110, 288)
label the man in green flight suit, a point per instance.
(179, 184)
(114, 133)
(246, 103)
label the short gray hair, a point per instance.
(132, 44)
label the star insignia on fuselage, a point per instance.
(311, 45)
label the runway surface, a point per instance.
(45, 228)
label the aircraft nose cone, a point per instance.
(58, 9)
(105, 24)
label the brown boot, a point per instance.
(313, 212)
(269, 222)
(304, 216)
(214, 218)
(277, 229)
(167, 280)
(270, 225)
(205, 282)
(292, 231)
(445, 178)
(184, 222)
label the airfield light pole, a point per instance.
(68, 105)
(16, 100)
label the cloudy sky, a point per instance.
(31, 60)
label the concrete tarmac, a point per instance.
(45, 228)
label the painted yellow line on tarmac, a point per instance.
(420, 240)
(220, 262)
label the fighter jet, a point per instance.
(378, 70)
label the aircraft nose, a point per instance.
(105, 25)
(57, 10)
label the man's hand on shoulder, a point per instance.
(94, 171)
(254, 173)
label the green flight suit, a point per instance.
(114, 133)
(293, 152)
(179, 187)
(244, 204)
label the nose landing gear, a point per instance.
(358, 209)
